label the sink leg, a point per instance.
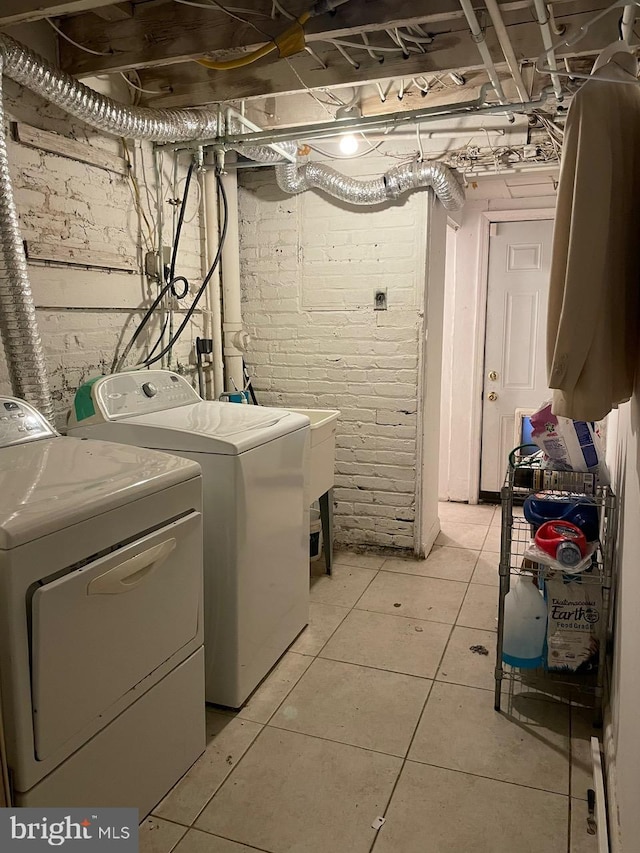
(326, 519)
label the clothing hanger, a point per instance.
(617, 47)
(613, 49)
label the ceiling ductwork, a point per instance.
(22, 343)
(294, 178)
(190, 125)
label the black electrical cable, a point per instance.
(118, 361)
(169, 286)
(173, 278)
(225, 206)
(176, 242)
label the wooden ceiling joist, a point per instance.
(117, 12)
(162, 33)
(171, 32)
(189, 84)
(22, 11)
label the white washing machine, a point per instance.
(101, 622)
(256, 516)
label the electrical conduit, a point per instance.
(483, 50)
(507, 48)
(211, 227)
(547, 40)
(233, 335)
(628, 20)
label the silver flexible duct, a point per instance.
(21, 339)
(394, 183)
(33, 71)
(27, 68)
(20, 336)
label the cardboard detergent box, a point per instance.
(574, 607)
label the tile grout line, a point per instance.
(455, 624)
(348, 609)
(191, 828)
(355, 604)
(153, 816)
(402, 616)
(402, 766)
(421, 714)
(340, 742)
(232, 840)
(322, 647)
(488, 778)
(405, 759)
(192, 825)
(265, 725)
(380, 668)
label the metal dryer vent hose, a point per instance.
(18, 326)
(184, 125)
(293, 178)
(21, 339)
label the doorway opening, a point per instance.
(494, 360)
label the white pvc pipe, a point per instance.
(481, 44)
(507, 48)
(212, 236)
(233, 337)
(547, 40)
(628, 20)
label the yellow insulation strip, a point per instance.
(288, 43)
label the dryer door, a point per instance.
(98, 631)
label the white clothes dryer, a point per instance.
(256, 516)
(101, 622)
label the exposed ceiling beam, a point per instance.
(299, 108)
(189, 84)
(165, 33)
(21, 11)
(117, 12)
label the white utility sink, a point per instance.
(323, 449)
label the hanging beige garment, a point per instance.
(592, 330)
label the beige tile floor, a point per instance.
(380, 708)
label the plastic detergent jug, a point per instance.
(525, 625)
(563, 506)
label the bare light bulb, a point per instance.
(348, 144)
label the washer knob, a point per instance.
(149, 389)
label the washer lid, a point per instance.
(54, 483)
(209, 427)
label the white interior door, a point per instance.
(515, 356)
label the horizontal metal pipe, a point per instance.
(368, 123)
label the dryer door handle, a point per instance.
(130, 574)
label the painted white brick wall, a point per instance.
(85, 313)
(310, 267)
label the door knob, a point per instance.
(493, 396)
(493, 376)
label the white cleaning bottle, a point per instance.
(525, 625)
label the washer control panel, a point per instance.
(141, 392)
(20, 422)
